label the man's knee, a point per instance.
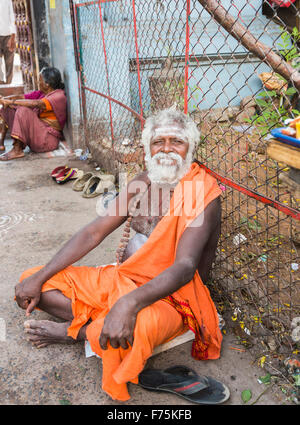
(29, 272)
(147, 321)
(159, 322)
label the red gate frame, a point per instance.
(295, 214)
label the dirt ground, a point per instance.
(36, 217)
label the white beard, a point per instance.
(162, 170)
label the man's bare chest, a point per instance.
(153, 205)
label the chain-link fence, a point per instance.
(224, 63)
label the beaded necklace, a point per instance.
(126, 233)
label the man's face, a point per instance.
(169, 142)
(168, 150)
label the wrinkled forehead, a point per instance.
(169, 130)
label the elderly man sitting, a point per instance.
(156, 291)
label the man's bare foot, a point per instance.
(45, 332)
(11, 155)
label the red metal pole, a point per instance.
(187, 51)
(106, 70)
(140, 117)
(137, 61)
(82, 99)
(252, 194)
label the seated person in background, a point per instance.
(156, 291)
(35, 119)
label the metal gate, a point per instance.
(24, 44)
(135, 57)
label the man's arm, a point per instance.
(28, 291)
(120, 321)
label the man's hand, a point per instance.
(118, 326)
(28, 293)
(11, 44)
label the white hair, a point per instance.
(168, 117)
(159, 168)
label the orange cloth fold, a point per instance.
(93, 292)
(199, 347)
(48, 112)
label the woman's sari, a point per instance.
(41, 133)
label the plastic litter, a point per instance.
(239, 239)
(103, 202)
(263, 258)
(296, 334)
(292, 365)
(78, 153)
(84, 156)
(288, 120)
(295, 322)
(126, 142)
(295, 325)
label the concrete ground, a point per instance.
(36, 217)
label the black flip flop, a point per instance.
(185, 382)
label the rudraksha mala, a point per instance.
(126, 233)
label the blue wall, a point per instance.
(62, 57)
(161, 32)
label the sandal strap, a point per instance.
(187, 387)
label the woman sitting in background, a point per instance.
(35, 119)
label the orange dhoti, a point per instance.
(93, 292)
(155, 324)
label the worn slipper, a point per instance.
(57, 171)
(106, 177)
(96, 186)
(65, 176)
(79, 183)
(77, 175)
(185, 382)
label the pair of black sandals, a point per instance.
(186, 383)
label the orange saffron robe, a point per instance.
(94, 290)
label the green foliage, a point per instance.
(174, 90)
(64, 402)
(269, 115)
(246, 395)
(289, 44)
